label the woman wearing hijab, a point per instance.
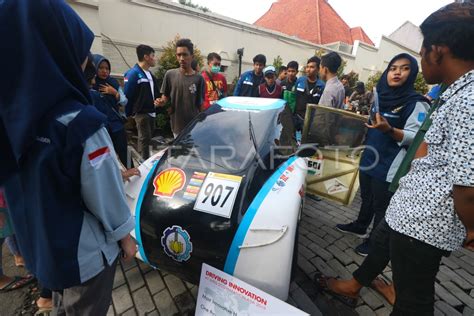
(399, 115)
(108, 99)
(61, 180)
(394, 123)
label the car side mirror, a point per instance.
(306, 150)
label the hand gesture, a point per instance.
(126, 175)
(107, 89)
(159, 102)
(380, 123)
(129, 247)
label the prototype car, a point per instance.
(228, 192)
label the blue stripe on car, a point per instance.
(244, 226)
(138, 233)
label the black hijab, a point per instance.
(44, 43)
(390, 98)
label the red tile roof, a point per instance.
(359, 34)
(312, 20)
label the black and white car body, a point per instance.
(228, 192)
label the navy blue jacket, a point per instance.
(45, 200)
(304, 95)
(383, 155)
(138, 91)
(247, 86)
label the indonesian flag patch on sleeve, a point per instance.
(97, 157)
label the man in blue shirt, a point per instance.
(247, 86)
(141, 90)
(309, 89)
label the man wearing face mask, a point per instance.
(215, 82)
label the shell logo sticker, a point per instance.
(177, 243)
(168, 182)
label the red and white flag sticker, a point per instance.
(97, 157)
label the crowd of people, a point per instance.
(63, 211)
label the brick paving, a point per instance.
(139, 290)
(325, 249)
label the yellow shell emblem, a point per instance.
(168, 182)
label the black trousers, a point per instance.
(375, 200)
(414, 268)
(93, 297)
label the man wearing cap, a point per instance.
(269, 89)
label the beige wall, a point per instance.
(120, 25)
(88, 10)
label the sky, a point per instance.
(376, 17)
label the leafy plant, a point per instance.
(233, 85)
(340, 70)
(277, 62)
(352, 77)
(189, 3)
(373, 80)
(162, 121)
(420, 84)
(320, 52)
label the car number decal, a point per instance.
(315, 166)
(218, 194)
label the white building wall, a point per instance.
(88, 10)
(369, 60)
(120, 25)
(409, 34)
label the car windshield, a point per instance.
(220, 139)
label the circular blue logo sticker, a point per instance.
(177, 243)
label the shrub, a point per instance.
(277, 63)
(353, 77)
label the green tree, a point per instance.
(320, 52)
(189, 3)
(353, 77)
(277, 62)
(420, 84)
(373, 80)
(340, 70)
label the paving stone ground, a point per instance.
(139, 290)
(321, 248)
